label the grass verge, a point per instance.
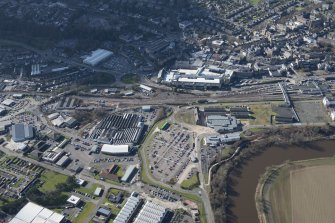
(191, 183)
(88, 209)
(51, 179)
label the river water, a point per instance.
(245, 179)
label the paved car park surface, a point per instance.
(169, 152)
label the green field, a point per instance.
(130, 78)
(51, 179)
(90, 190)
(254, 2)
(120, 172)
(187, 117)
(191, 183)
(82, 217)
(261, 113)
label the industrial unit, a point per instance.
(97, 57)
(119, 129)
(32, 212)
(116, 149)
(8, 102)
(215, 140)
(22, 132)
(222, 123)
(129, 174)
(130, 209)
(151, 212)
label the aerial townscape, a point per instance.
(167, 111)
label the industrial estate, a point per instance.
(162, 111)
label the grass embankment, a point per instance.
(120, 172)
(130, 79)
(191, 183)
(275, 189)
(226, 153)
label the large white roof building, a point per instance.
(129, 209)
(201, 77)
(151, 212)
(8, 102)
(115, 149)
(97, 56)
(33, 213)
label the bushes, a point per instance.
(14, 207)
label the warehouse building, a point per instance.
(129, 174)
(151, 212)
(117, 150)
(64, 161)
(97, 57)
(4, 126)
(59, 122)
(32, 213)
(146, 88)
(53, 116)
(119, 129)
(98, 191)
(3, 111)
(223, 123)
(130, 209)
(146, 108)
(216, 140)
(328, 101)
(8, 102)
(22, 132)
(18, 96)
(70, 122)
(53, 156)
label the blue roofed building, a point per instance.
(104, 212)
(22, 132)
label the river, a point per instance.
(245, 179)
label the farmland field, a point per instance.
(312, 194)
(301, 192)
